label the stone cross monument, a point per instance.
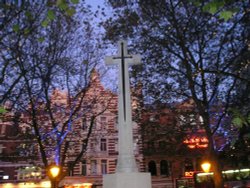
(127, 174)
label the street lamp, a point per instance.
(206, 166)
(53, 173)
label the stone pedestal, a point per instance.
(127, 180)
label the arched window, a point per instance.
(152, 168)
(164, 168)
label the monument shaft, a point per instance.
(127, 174)
(126, 160)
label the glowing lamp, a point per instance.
(54, 171)
(206, 166)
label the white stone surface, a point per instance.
(126, 160)
(127, 180)
(127, 175)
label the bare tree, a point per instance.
(47, 58)
(187, 54)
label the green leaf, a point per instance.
(58, 2)
(26, 31)
(45, 23)
(29, 15)
(213, 6)
(226, 15)
(41, 39)
(2, 110)
(51, 15)
(62, 4)
(16, 27)
(206, 8)
(71, 12)
(238, 121)
(197, 3)
(75, 1)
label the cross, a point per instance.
(126, 160)
(123, 59)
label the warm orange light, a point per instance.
(189, 174)
(54, 171)
(196, 142)
(191, 146)
(82, 185)
(206, 166)
(87, 185)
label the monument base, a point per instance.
(127, 179)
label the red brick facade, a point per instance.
(158, 141)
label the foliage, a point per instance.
(218, 7)
(187, 53)
(42, 47)
(239, 119)
(2, 110)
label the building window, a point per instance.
(71, 148)
(104, 166)
(116, 145)
(1, 148)
(84, 168)
(103, 144)
(198, 164)
(84, 124)
(164, 168)
(152, 168)
(162, 145)
(71, 168)
(92, 145)
(103, 120)
(3, 129)
(188, 165)
(93, 166)
(29, 173)
(151, 146)
(192, 119)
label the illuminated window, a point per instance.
(5, 177)
(29, 173)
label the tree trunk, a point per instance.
(212, 155)
(54, 183)
(216, 168)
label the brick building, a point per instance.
(160, 144)
(19, 154)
